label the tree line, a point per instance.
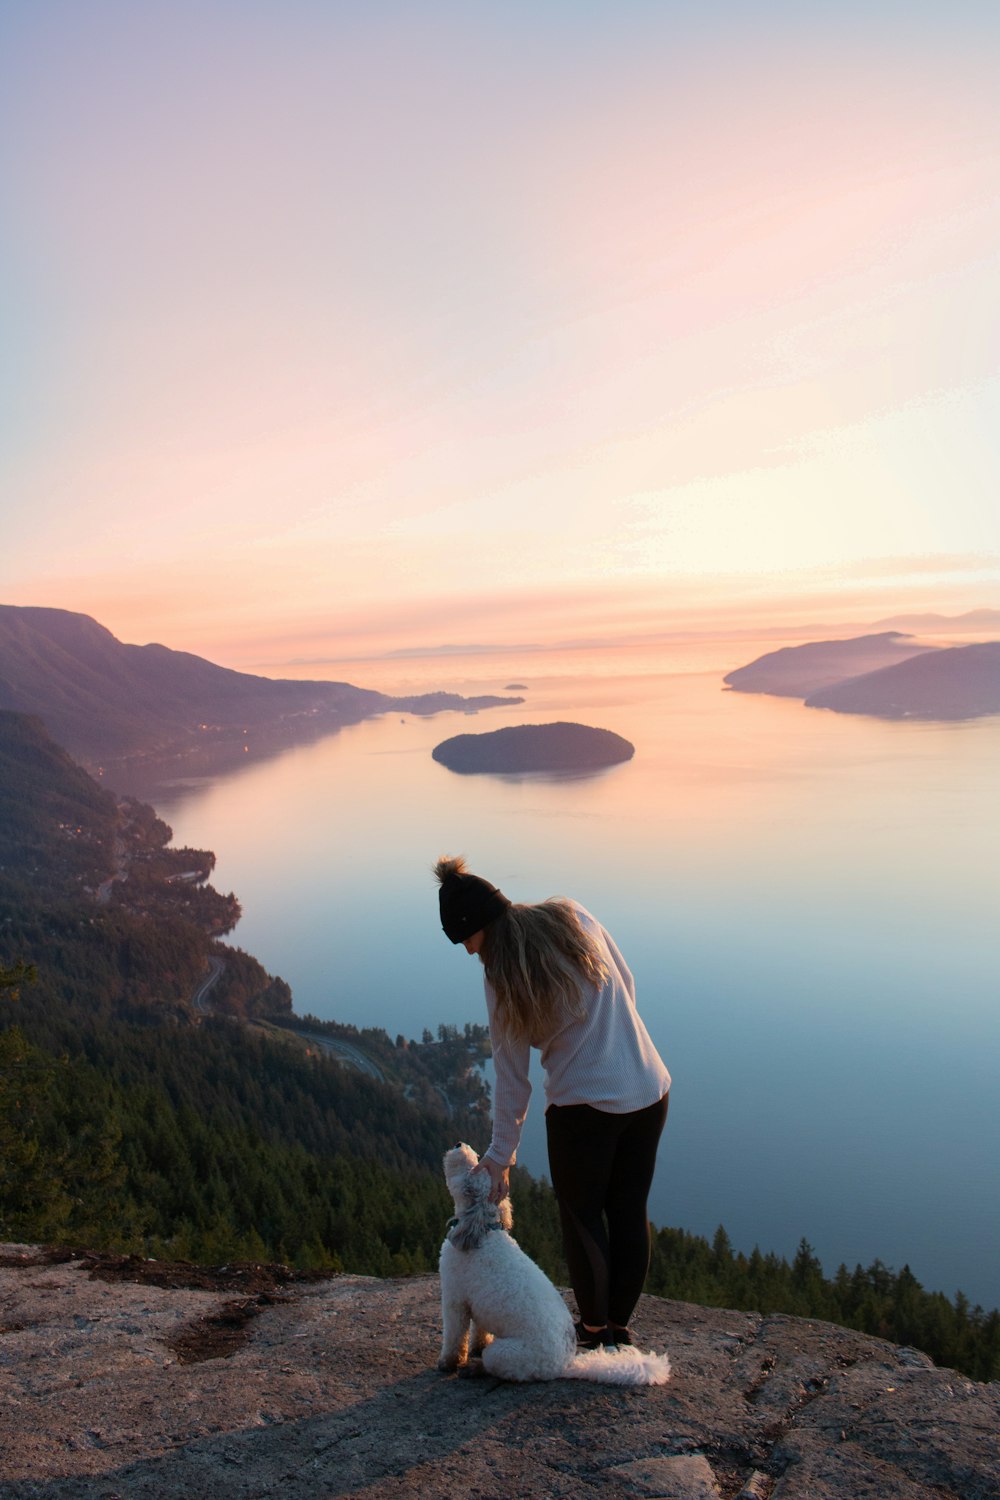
(221, 1145)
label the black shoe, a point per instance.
(617, 1338)
(587, 1338)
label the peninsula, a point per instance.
(961, 682)
(886, 676)
(127, 710)
(798, 671)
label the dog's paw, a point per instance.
(473, 1370)
(448, 1363)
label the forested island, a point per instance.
(534, 747)
(132, 1120)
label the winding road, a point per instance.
(199, 1000)
(345, 1052)
(120, 857)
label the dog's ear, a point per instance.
(477, 1214)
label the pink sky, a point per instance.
(338, 331)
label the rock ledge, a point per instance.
(245, 1384)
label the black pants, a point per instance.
(602, 1169)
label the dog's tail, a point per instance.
(622, 1366)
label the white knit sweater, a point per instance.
(604, 1058)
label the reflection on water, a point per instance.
(808, 902)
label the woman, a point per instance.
(555, 980)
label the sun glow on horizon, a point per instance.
(332, 344)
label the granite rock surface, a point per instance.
(127, 1379)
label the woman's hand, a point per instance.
(499, 1178)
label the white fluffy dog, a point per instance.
(495, 1298)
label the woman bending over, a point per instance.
(555, 980)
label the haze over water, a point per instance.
(807, 900)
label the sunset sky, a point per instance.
(333, 328)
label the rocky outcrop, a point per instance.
(124, 1379)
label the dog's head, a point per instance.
(470, 1191)
(458, 1163)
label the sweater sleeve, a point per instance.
(620, 964)
(511, 1092)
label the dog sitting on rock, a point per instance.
(496, 1301)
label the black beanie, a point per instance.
(468, 904)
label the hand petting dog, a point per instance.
(497, 1302)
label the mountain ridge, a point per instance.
(886, 676)
(972, 619)
(797, 671)
(953, 683)
(106, 700)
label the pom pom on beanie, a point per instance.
(467, 902)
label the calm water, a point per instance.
(808, 902)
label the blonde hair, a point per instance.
(539, 961)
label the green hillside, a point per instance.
(129, 1120)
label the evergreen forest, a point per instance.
(132, 1120)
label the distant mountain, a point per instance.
(973, 619)
(799, 671)
(535, 747)
(958, 682)
(107, 701)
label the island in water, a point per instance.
(886, 676)
(535, 747)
